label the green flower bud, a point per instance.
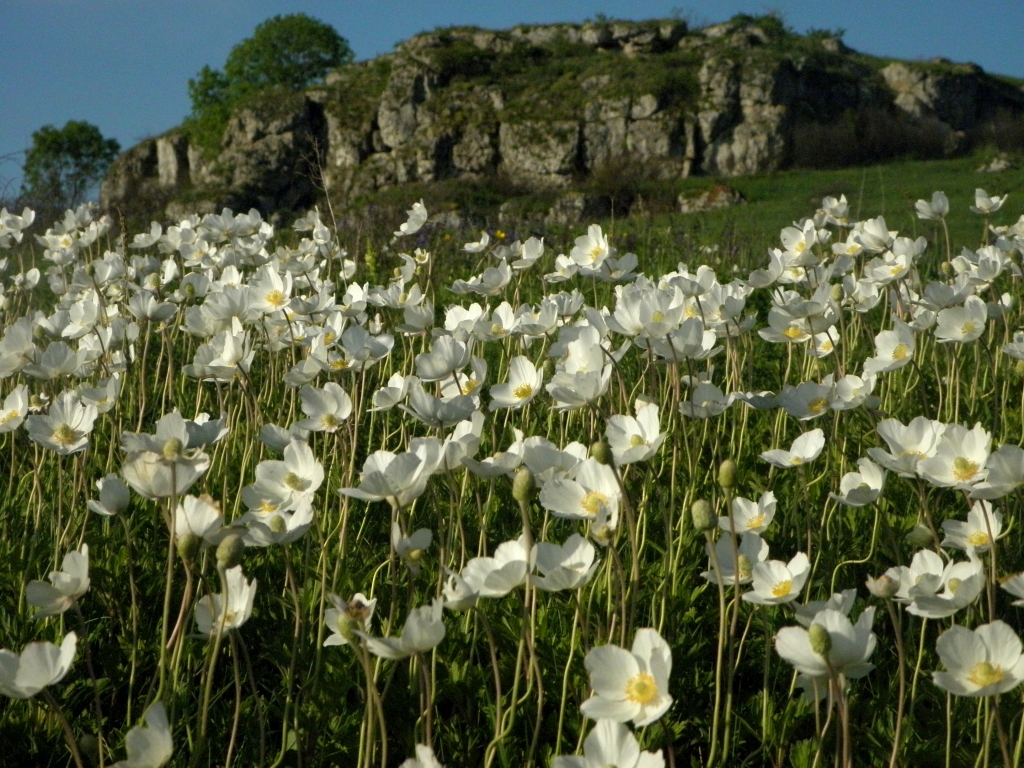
(278, 525)
(836, 293)
(229, 553)
(523, 485)
(946, 268)
(1018, 368)
(601, 452)
(90, 748)
(727, 474)
(188, 547)
(702, 515)
(821, 641)
(919, 536)
(745, 568)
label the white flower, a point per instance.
(805, 448)
(410, 548)
(851, 645)
(424, 759)
(497, 576)
(39, 665)
(595, 486)
(524, 382)
(775, 582)
(417, 218)
(630, 685)
(149, 746)
(345, 618)
(909, 444)
(856, 489)
(751, 549)
(611, 745)
(983, 527)
(962, 324)
(985, 203)
(422, 631)
(935, 210)
(960, 458)
(114, 496)
(981, 662)
(566, 566)
(325, 408)
(749, 516)
(65, 429)
(233, 611)
(199, 517)
(66, 585)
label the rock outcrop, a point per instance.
(546, 106)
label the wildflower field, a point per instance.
(511, 503)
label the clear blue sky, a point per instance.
(124, 64)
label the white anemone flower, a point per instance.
(398, 478)
(638, 438)
(65, 429)
(410, 548)
(729, 568)
(611, 745)
(983, 526)
(566, 566)
(296, 478)
(839, 601)
(425, 758)
(982, 662)
(114, 496)
(325, 408)
(581, 498)
(851, 645)
(423, 630)
(960, 458)
(1005, 473)
(14, 409)
(960, 584)
(984, 203)
(591, 249)
(65, 587)
(706, 401)
(805, 448)
(750, 516)
(346, 618)
(497, 576)
(630, 685)
(524, 382)
(1015, 586)
(417, 217)
(857, 489)
(199, 517)
(149, 746)
(230, 611)
(893, 349)
(908, 443)
(447, 356)
(962, 324)
(479, 245)
(39, 665)
(775, 582)
(934, 210)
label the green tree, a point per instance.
(62, 165)
(289, 52)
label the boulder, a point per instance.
(540, 153)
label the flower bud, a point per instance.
(727, 474)
(702, 515)
(821, 641)
(744, 568)
(278, 524)
(522, 485)
(229, 551)
(836, 292)
(919, 536)
(884, 586)
(946, 268)
(1019, 368)
(188, 547)
(600, 452)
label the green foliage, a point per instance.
(289, 52)
(63, 164)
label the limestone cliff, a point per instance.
(548, 105)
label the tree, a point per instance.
(62, 165)
(290, 52)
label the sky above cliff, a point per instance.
(124, 64)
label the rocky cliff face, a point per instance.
(548, 105)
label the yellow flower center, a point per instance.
(895, 270)
(792, 332)
(64, 434)
(918, 454)
(796, 461)
(635, 441)
(497, 329)
(755, 522)
(293, 481)
(275, 298)
(592, 502)
(800, 247)
(267, 506)
(523, 391)
(899, 352)
(967, 327)
(329, 337)
(340, 364)
(964, 469)
(691, 310)
(641, 688)
(658, 316)
(783, 588)
(978, 539)
(329, 421)
(469, 386)
(985, 673)
(595, 252)
(9, 416)
(817, 405)
(954, 585)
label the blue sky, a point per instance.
(124, 64)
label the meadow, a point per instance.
(738, 489)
